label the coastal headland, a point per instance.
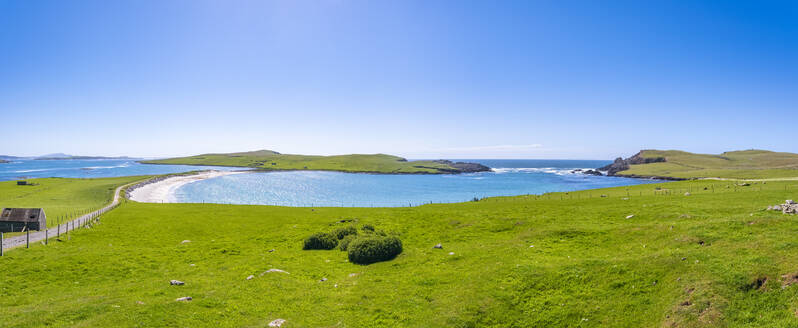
(355, 163)
(681, 165)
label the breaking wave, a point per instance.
(550, 170)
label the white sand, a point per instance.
(164, 191)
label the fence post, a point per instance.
(46, 236)
(1, 243)
(27, 238)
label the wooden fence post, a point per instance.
(27, 238)
(1, 243)
(46, 236)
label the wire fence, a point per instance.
(64, 225)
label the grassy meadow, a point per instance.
(746, 164)
(715, 258)
(62, 198)
(269, 160)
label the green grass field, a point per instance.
(269, 160)
(747, 164)
(680, 261)
(62, 198)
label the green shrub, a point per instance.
(367, 250)
(367, 227)
(340, 233)
(320, 240)
(344, 243)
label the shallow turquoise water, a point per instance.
(97, 168)
(319, 188)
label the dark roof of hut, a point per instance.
(21, 214)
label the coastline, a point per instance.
(261, 170)
(162, 191)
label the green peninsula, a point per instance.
(675, 164)
(370, 163)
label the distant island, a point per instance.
(79, 157)
(681, 165)
(61, 156)
(2, 161)
(355, 163)
(56, 156)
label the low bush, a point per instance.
(367, 250)
(367, 227)
(344, 243)
(340, 233)
(320, 240)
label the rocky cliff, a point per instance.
(621, 164)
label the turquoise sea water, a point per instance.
(319, 188)
(97, 168)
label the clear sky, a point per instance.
(421, 79)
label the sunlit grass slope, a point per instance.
(61, 197)
(747, 164)
(683, 261)
(269, 160)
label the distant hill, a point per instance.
(744, 164)
(54, 156)
(371, 163)
(71, 157)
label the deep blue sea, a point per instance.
(318, 188)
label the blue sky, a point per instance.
(422, 79)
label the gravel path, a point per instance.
(51, 233)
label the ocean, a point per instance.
(324, 188)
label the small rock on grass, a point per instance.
(451, 253)
(323, 280)
(438, 246)
(185, 241)
(277, 323)
(184, 299)
(251, 277)
(630, 216)
(176, 283)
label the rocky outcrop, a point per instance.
(621, 164)
(789, 207)
(460, 167)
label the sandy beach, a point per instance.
(163, 191)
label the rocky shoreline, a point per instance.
(463, 167)
(457, 168)
(620, 164)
